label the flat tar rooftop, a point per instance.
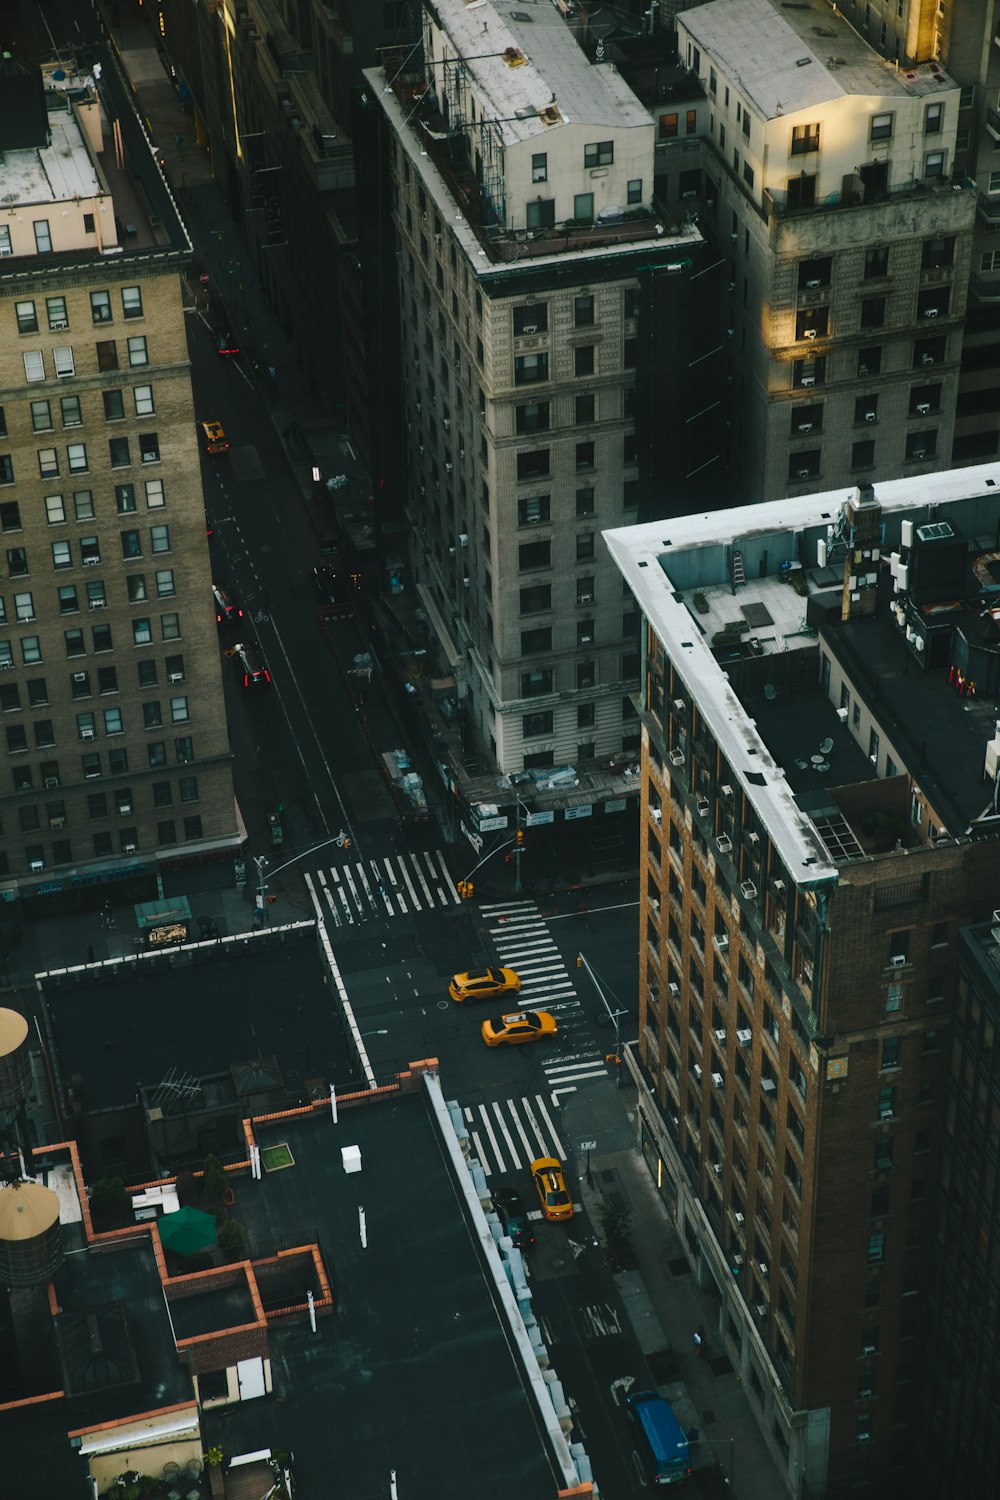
(414, 1370)
(736, 595)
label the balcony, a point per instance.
(988, 208)
(992, 123)
(986, 288)
(915, 189)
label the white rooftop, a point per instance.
(643, 554)
(554, 70)
(56, 173)
(799, 57)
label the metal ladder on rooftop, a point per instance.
(738, 574)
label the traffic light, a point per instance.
(520, 837)
(465, 889)
(579, 960)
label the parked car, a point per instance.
(513, 1215)
(484, 985)
(335, 595)
(519, 1026)
(227, 611)
(550, 1185)
(250, 659)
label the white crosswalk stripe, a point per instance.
(508, 1134)
(523, 942)
(395, 885)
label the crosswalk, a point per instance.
(356, 891)
(522, 941)
(511, 1133)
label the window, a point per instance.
(74, 643)
(748, 172)
(583, 207)
(541, 214)
(114, 405)
(155, 496)
(531, 465)
(583, 359)
(535, 684)
(34, 365)
(809, 371)
(881, 128)
(149, 447)
(933, 119)
(72, 414)
(532, 510)
(921, 445)
(188, 788)
(934, 164)
(27, 317)
(76, 457)
(137, 351)
(5, 245)
(633, 190)
(10, 516)
(55, 509)
(192, 828)
(131, 545)
(62, 359)
(872, 312)
(170, 627)
(804, 465)
(863, 454)
(530, 368)
(801, 191)
(535, 599)
(585, 409)
(131, 302)
(100, 307)
(534, 555)
(135, 585)
(55, 312)
(876, 1249)
(107, 680)
(107, 355)
(90, 550)
(62, 555)
(584, 546)
(532, 417)
(533, 641)
(584, 456)
(41, 416)
(166, 832)
(113, 721)
(599, 154)
(668, 127)
(17, 563)
(805, 138)
(539, 167)
(535, 724)
(142, 632)
(48, 463)
(585, 502)
(184, 749)
(532, 317)
(937, 253)
(583, 312)
(876, 261)
(118, 448)
(165, 588)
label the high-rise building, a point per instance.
(821, 804)
(551, 371)
(828, 185)
(115, 742)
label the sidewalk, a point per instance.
(619, 1176)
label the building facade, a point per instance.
(115, 737)
(550, 329)
(817, 710)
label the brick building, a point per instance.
(115, 742)
(818, 710)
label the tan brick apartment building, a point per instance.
(114, 731)
(820, 815)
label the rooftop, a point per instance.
(800, 56)
(733, 645)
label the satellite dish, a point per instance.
(825, 746)
(769, 691)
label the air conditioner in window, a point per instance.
(724, 844)
(803, 474)
(862, 369)
(898, 960)
(768, 1086)
(867, 1349)
(57, 822)
(36, 865)
(725, 790)
(813, 284)
(463, 540)
(748, 889)
(91, 562)
(529, 328)
(919, 453)
(761, 1309)
(677, 757)
(717, 1168)
(718, 1080)
(6, 666)
(86, 734)
(584, 598)
(864, 1437)
(656, 813)
(704, 806)
(740, 1219)
(79, 676)
(930, 312)
(778, 887)
(762, 1268)
(869, 416)
(697, 1071)
(689, 195)
(176, 677)
(809, 333)
(808, 380)
(722, 943)
(744, 1036)
(98, 603)
(128, 849)
(923, 407)
(926, 359)
(804, 427)
(674, 989)
(885, 1114)
(753, 839)
(719, 1033)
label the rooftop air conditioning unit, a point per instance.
(762, 1268)
(717, 1167)
(718, 1080)
(809, 333)
(748, 889)
(719, 1033)
(813, 284)
(86, 734)
(923, 407)
(768, 1086)
(898, 960)
(529, 328)
(674, 989)
(724, 844)
(36, 865)
(869, 416)
(697, 1071)
(744, 1036)
(677, 757)
(805, 427)
(808, 380)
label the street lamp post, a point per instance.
(721, 1443)
(261, 861)
(614, 1016)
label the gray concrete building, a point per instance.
(115, 744)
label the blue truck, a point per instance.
(662, 1440)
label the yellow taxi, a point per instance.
(214, 437)
(519, 1026)
(550, 1185)
(484, 985)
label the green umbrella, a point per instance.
(187, 1231)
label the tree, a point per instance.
(109, 1200)
(213, 1182)
(232, 1239)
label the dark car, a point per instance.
(227, 611)
(513, 1215)
(335, 596)
(250, 661)
(226, 345)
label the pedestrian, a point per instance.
(178, 139)
(697, 1344)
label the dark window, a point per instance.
(585, 455)
(584, 546)
(801, 191)
(863, 454)
(876, 261)
(536, 598)
(928, 351)
(541, 214)
(534, 555)
(583, 359)
(872, 312)
(534, 464)
(933, 302)
(921, 445)
(533, 417)
(870, 360)
(804, 465)
(585, 502)
(114, 405)
(107, 355)
(937, 253)
(585, 409)
(583, 312)
(533, 641)
(531, 368)
(535, 724)
(536, 684)
(10, 516)
(815, 273)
